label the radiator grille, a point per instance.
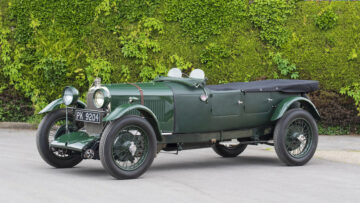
(92, 128)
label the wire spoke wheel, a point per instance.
(298, 138)
(130, 148)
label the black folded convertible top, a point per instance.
(269, 86)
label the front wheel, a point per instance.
(296, 137)
(51, 127)
(128, 147)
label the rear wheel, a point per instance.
(51, 127)
(225, 149)
(128, 147)
(296, 137)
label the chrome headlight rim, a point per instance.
(106, 97)
(70, 91)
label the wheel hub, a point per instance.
(132, 148)
(295, 140)
(301, 137)
(126, 151)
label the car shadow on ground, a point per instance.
(217, 162)
(83, 170)
(190, 164)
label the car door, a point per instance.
(227, 108)
(257, 102)
(226, 103)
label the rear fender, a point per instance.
(122, 110)
(286, 104)
(56, 103)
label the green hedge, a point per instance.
(46, 45)
(327, 56)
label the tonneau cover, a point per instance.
(269, 86)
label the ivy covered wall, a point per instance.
(45, 45)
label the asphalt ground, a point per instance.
(257, 175)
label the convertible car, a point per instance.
(126, 125)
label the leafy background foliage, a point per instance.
(270, 16)
(326, 19)
(46, 45)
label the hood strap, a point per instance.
(141, 92)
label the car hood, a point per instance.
(157, 96)
(131, 89)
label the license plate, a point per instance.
(87, 116)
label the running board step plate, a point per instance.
(75, 141)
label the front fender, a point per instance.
(285, 104)
(122, 110)
(56, 103)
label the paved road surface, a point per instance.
(191, 176)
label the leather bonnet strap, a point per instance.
(141, 92)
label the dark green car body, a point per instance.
(177, 113)
(125, 125)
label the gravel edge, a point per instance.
(18, 125)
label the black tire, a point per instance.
(42, 142)
(229, 152)
(284, 137)
(111, 134)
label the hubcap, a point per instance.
(130, 148)
(299, 136)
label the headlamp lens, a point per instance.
(99, 99)
(68, 96)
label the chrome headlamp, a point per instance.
(70, 95)
(101, 97)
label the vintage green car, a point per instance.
(126, 125)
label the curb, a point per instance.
(18, 125)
